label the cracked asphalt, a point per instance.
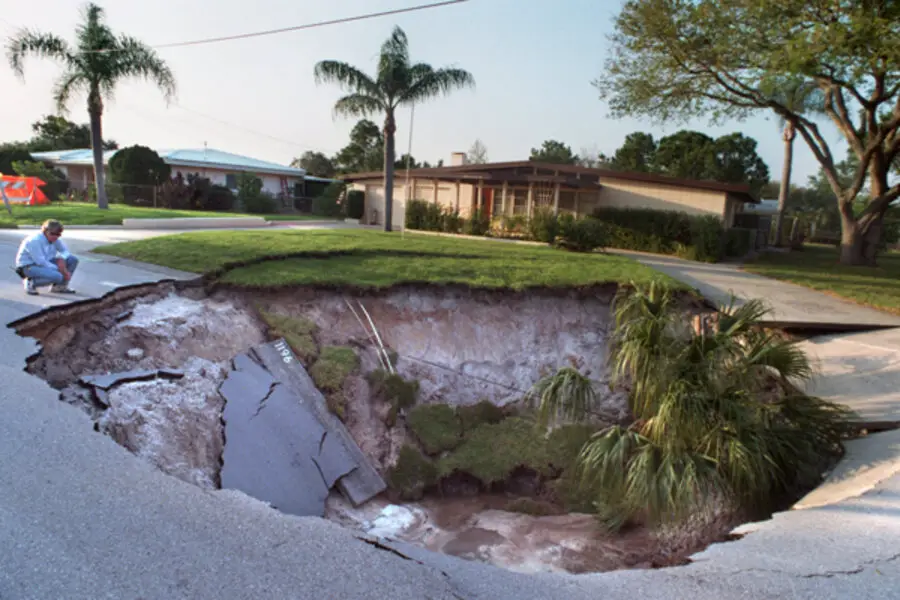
(80, 517)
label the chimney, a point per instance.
(457, 159)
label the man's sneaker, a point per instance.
(61, 288)
(30, 288)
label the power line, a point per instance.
(339, 21)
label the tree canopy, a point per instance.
(138, 165)
(553, 151)
(315, 164)
(722, 59)
(689, 154)
(477, 154)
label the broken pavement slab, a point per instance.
(105, 382)
(860, 371)
(867, 462)
(278, 448)
(364, 483)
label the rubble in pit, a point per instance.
(147, 370)
(460, 346)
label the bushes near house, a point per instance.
(695, 237)
(356, 204)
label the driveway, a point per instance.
(82, 518)
(792, 305)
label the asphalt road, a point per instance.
(80, 517)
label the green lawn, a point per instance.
(816, 266)
(81, 213)
(376, 259)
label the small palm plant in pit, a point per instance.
(716, 411)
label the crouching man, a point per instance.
(43, 259)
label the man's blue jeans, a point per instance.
(50, 275)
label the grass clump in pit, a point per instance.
(399, 393)
(412, 474)
(330, 371)
(484, 412)
(297, 332)
(436, 426)
(491, 452)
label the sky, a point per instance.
(533, 62)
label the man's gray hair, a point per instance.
(52, 226)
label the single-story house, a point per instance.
(221, 168)
(517, 188)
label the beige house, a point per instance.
(517, 188)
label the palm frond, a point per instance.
(358, 105)
(784, 357)
(68, 84)
(393, 75)
(136, 59)
(42, 45)
(565, 395)
(426, 82)
(348, 76)
(737, 320)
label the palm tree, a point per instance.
(97, 62)
(800, 96)
(715, 410)
(396, 83)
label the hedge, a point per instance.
(695, 237)
(356, 204)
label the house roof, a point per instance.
(495, 171)
(196, 158)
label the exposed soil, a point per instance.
(462, 346)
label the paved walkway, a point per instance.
(80, 517)
(792, 305)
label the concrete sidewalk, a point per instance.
(792, 305)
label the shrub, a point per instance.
(699, 237)
(739, 242)
(415, 214)
(543, 226)
(453, 223)
(326, 206)
(261, 204)
(356, 204)
(708, 236)
(492, 452)
(436, 426)
(478, 224)
(219, 198)
(412, 474)
(581, 235)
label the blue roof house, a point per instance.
(222, 168)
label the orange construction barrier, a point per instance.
(23, 190)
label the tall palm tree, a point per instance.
(800, 96)
(97, 62)
(716, 413)
(397, 82)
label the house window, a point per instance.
(231, 181)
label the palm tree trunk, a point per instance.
(389, 128)
(785, 188)
(95, 110)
